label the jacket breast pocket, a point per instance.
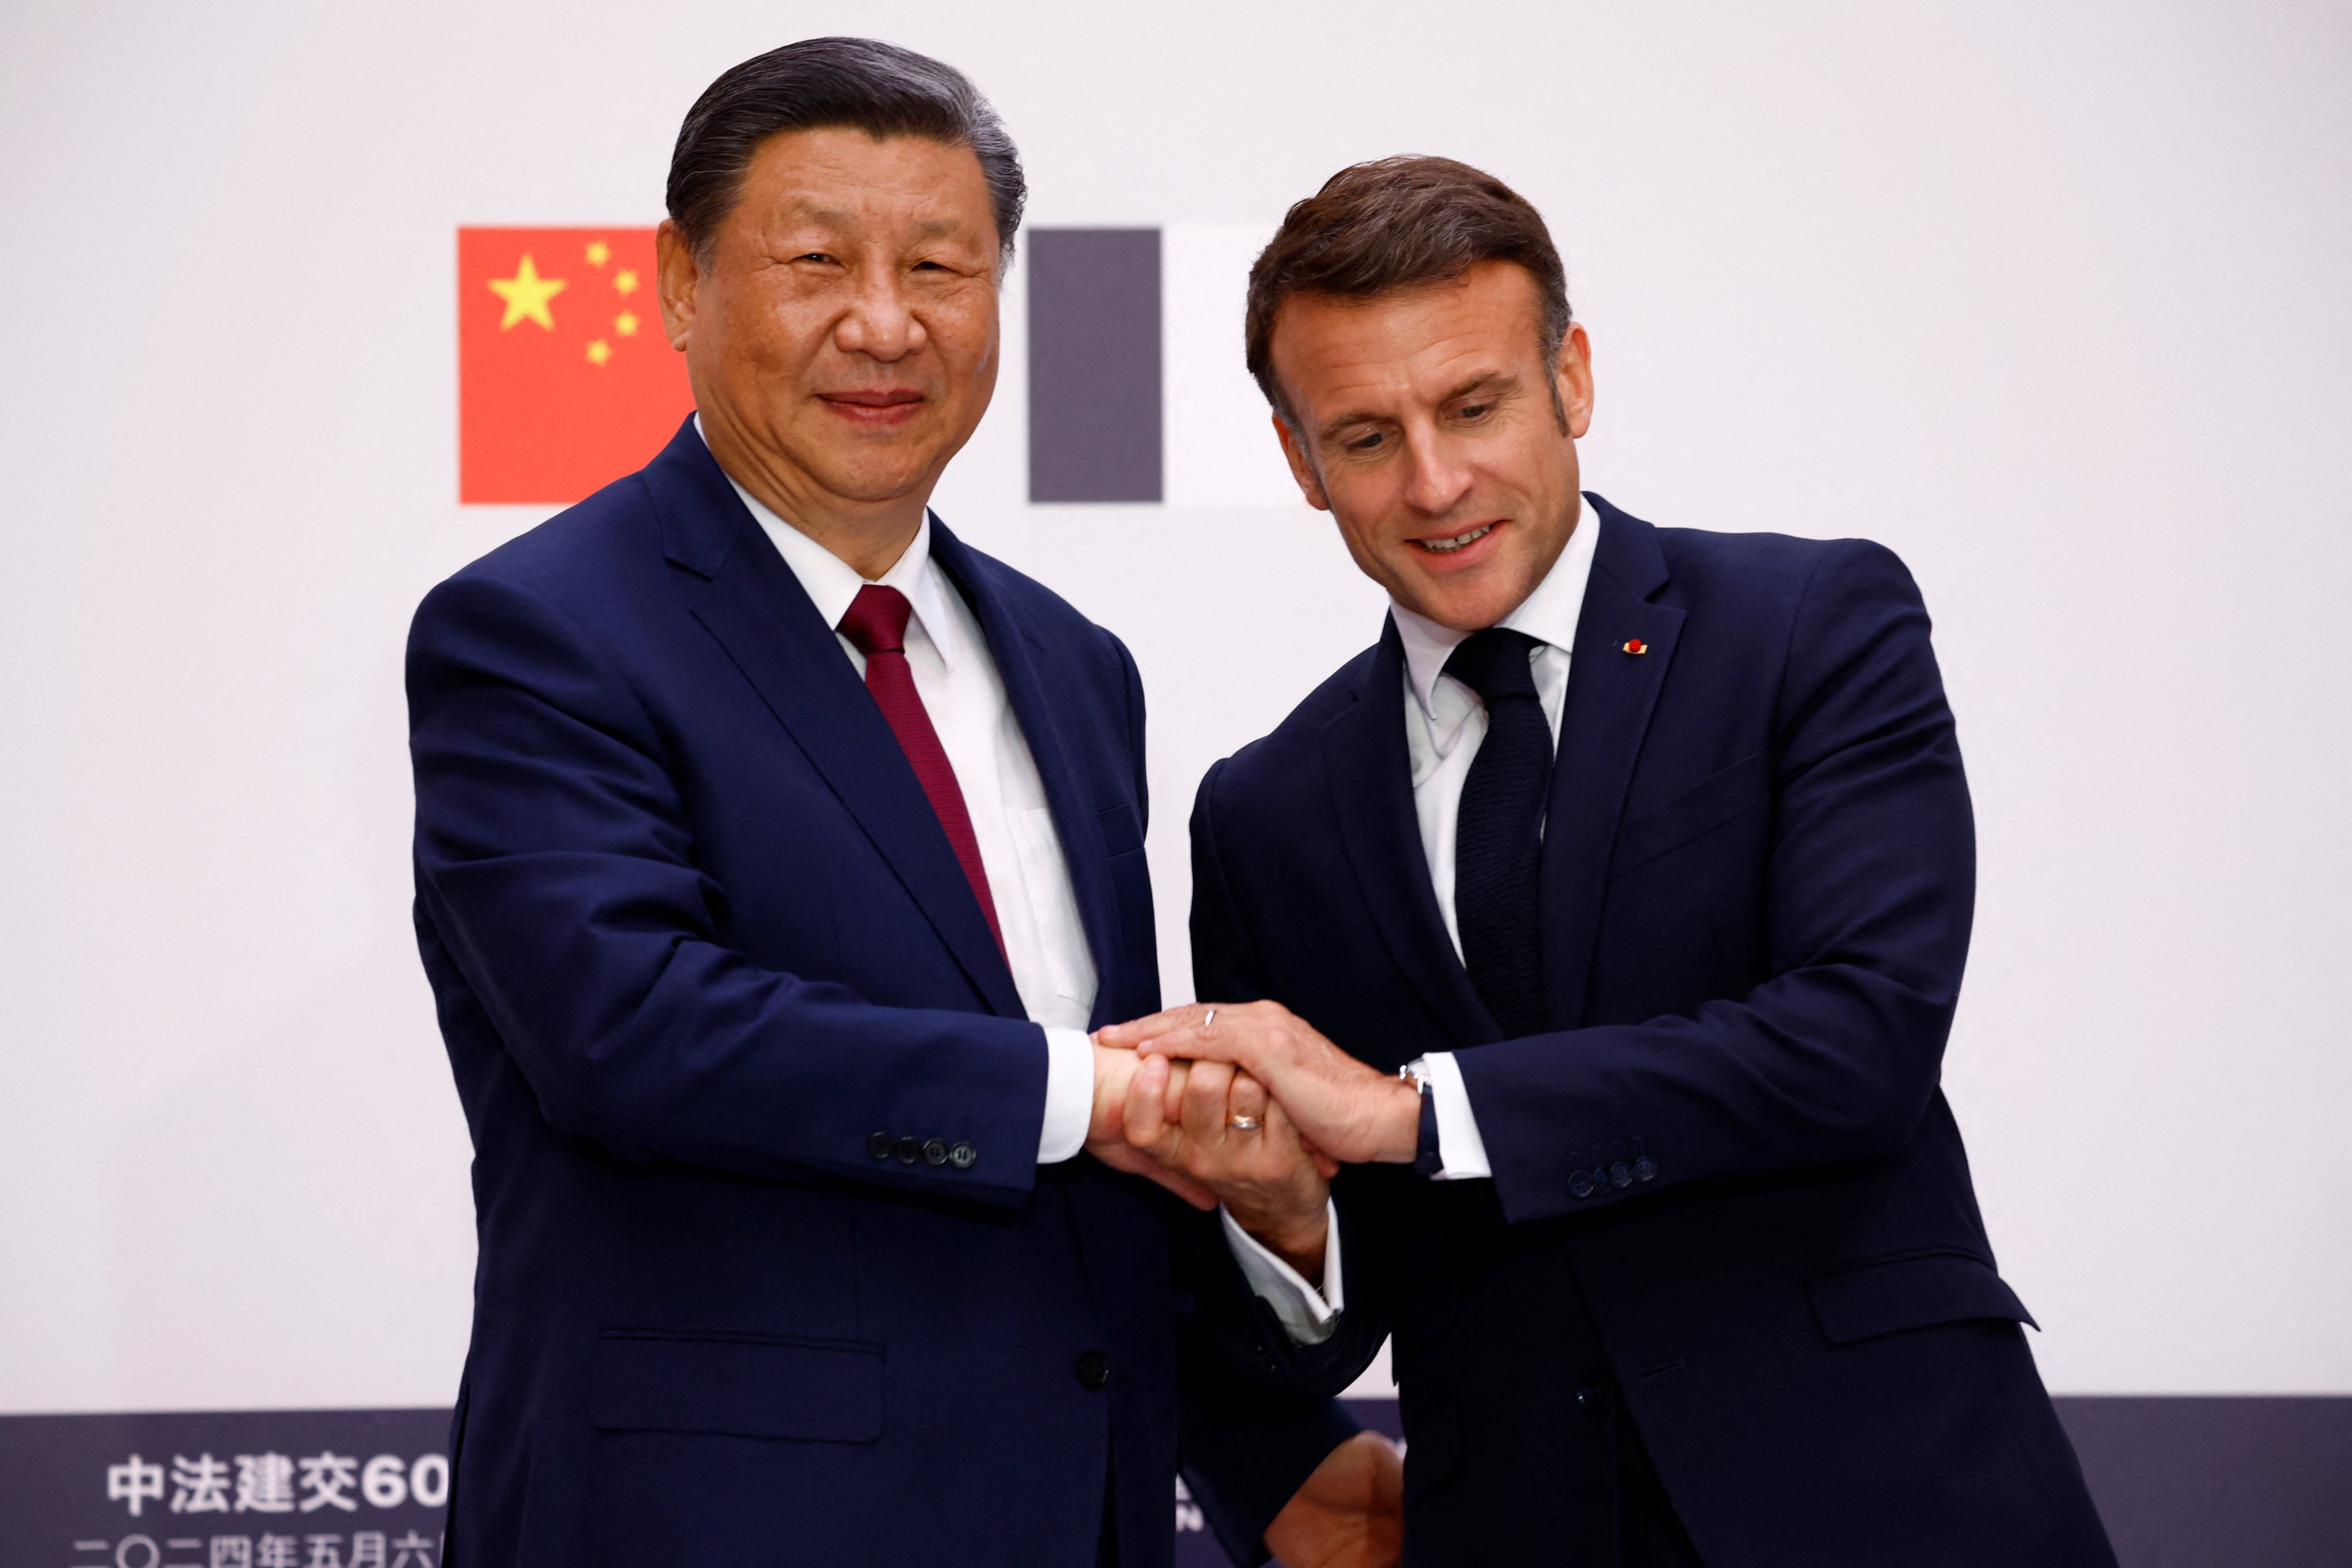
(1723, 796)
(1886, 1296)
(818, 1391)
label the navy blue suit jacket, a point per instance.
(768, 1270)
(1756, 881)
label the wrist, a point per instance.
(1396, 1123)
(1302, 1244)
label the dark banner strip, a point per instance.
(2220, 1483)
(2182, 1483)
(1094, 365)
(304, 1489)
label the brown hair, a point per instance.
(1397, 223)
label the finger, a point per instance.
(1225, 1044)
(1247, 1098)
(1325, 1166)
(1171, 1099)
(1205, 1104)
(1145, 1116)
(1283, 1136)
(1151, 1025)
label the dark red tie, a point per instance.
(877, 624)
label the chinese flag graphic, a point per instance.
(564, 380)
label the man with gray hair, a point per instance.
(774, 853)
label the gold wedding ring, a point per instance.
(1242, 1124)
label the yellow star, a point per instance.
(625, 323)
(625, 281)
(527, 294)
(598, 253)
(599, 351)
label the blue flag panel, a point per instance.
(1094, 365)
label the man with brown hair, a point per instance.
(1607, 917)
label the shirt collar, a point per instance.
(831, 583)
(1548, 615)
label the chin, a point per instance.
(1464, 608)
(876, 481)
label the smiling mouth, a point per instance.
(887, 408)
(1459, 541)
(890, 398)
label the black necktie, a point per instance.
(1498, 834)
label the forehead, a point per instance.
(837, 176)
(1408, 344)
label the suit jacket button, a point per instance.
(1579, 1184)
(963, 1155)
(908, 1151)
(935, 1153)
(1645, 1169)
(1621, 1174)
(878, 1145)
(1094, 1371)
(1588, 1398)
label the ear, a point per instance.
(678, 274)
(1309, 484)
(1574, 379)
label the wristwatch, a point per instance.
(1426, 1157)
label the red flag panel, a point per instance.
(564, 380)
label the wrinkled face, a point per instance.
(1426, 427)
(842, 325)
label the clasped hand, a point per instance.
(1248, 1106)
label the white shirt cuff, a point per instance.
(1461, 1152)
(1069, 1095)
(1309, 1315)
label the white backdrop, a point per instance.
(2050, 299)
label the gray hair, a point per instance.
(859, 84)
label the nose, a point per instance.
(879, 323)
(1436, 479)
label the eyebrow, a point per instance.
(928, 228)
(1489, 380)
(825, 216)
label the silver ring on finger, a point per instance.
(1243, 1123)
(1208, 1020)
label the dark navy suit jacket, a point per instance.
(1756, 881)
(768, 1270)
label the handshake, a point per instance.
(1247, 1106)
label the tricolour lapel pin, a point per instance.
(1633, 646)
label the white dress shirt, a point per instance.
(1028, 879)
(1444, 723)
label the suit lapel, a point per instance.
(1071, 802)
(1370, 776)
(760, 614)
(1611, 696)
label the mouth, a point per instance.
(1454, 544)
(881, 406)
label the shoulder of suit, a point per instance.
(1765, 566)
